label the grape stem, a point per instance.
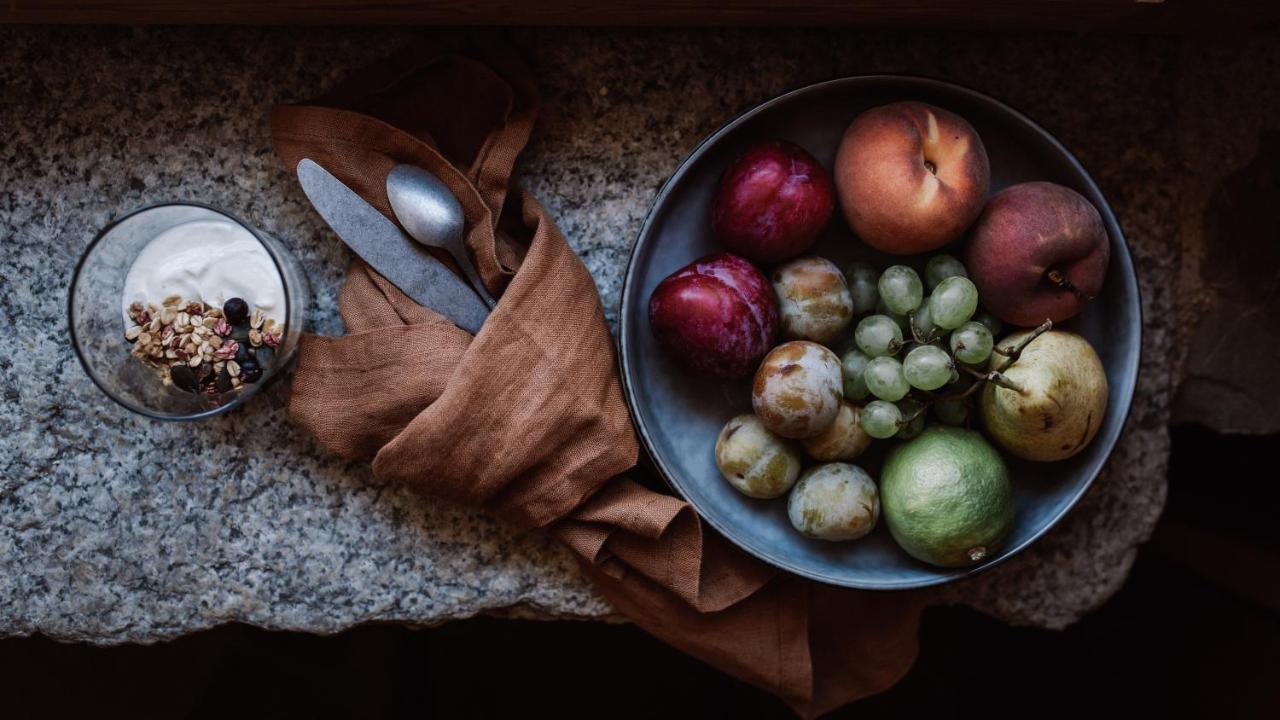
(907, 421)
(996, 376)
(915, 332)
(969, 391)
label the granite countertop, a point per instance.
(116, 528)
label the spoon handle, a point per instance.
(469, 269)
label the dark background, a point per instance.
(1194, 632)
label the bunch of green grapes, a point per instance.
(913, 352)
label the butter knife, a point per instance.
(388, 250)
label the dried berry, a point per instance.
(263, 355)
(184, 378)
(205, 372)
(250, 373)
(236, 310)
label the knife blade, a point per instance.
(388, 250)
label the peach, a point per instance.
(911, 177)
(1038, 252)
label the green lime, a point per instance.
(946, 497)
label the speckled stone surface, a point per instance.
(115, 528)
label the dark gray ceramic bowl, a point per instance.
(679, 416)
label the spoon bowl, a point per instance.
(432, 215)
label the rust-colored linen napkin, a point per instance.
(527, 418)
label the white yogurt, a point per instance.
(207, 260)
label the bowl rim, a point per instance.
(629, 292)
(241, 397)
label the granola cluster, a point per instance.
(201, 348)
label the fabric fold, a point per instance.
(527, 418)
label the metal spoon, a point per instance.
(432, 216)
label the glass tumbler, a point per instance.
(98, 326)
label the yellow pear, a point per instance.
(1060, 400)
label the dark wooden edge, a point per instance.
(1156, 16)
